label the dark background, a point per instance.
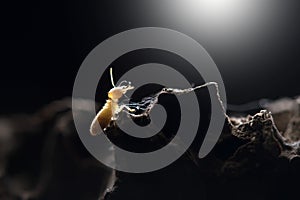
(43, 44)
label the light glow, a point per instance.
(218, 19)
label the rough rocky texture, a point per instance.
(41, 157)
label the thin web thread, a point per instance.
(148, 103)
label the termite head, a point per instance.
(117, 92)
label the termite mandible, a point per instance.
(111, 108)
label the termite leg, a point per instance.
(122, 107)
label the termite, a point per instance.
(110, 110)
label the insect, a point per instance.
(110, 110)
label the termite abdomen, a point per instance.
(103, 117)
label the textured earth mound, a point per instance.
(256, 157)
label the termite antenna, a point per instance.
(111, 77)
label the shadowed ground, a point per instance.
(42, 157)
